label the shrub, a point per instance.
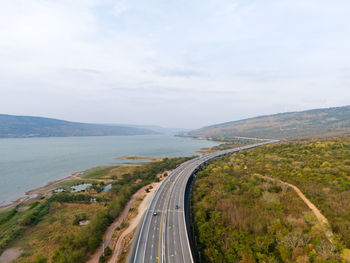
(8, 216)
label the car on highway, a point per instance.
(155, 213)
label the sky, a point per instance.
(172, 63)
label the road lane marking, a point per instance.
(169, 201)
(188, 168)
(153, 203)
(161, 225)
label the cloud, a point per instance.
(179, 72)
(120, 7)
(200, 62)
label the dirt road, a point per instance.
(320, 217)
(133, 223)
(110, 230)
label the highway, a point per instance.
(164, 237)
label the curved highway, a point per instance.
(163, 235)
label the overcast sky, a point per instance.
(175, 63)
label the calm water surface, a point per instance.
(29, 163)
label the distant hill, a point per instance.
(158, 129)
(292, 125)
(25, 126)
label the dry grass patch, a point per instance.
(44, 238)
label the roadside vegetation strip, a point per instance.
(123, 241)
(121, 224)
(126, 244)
(107, 237)
(258, 219)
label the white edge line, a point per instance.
(217, 155)
(143, 223)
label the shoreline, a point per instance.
(45, 189)
(38, 191)
(68, 178)
(42, 190)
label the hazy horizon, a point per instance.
(166, 127)
(175, 64)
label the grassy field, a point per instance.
(240, 217)
(48, 230)
(44, 239)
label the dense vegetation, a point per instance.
(284, 125)
(76, 244)
(35, 216)
(7, 216)
(239, 216)
(75, 198)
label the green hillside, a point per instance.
(239, 215)
(25, 126)
(318, 122)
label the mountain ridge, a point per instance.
(15, 126)
(288, 125)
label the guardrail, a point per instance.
(191, 179)
(133, 254)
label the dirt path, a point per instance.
(133, 223)
(320, 217)
(10, 255)
(110, 230)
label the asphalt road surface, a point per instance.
(163, 235)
